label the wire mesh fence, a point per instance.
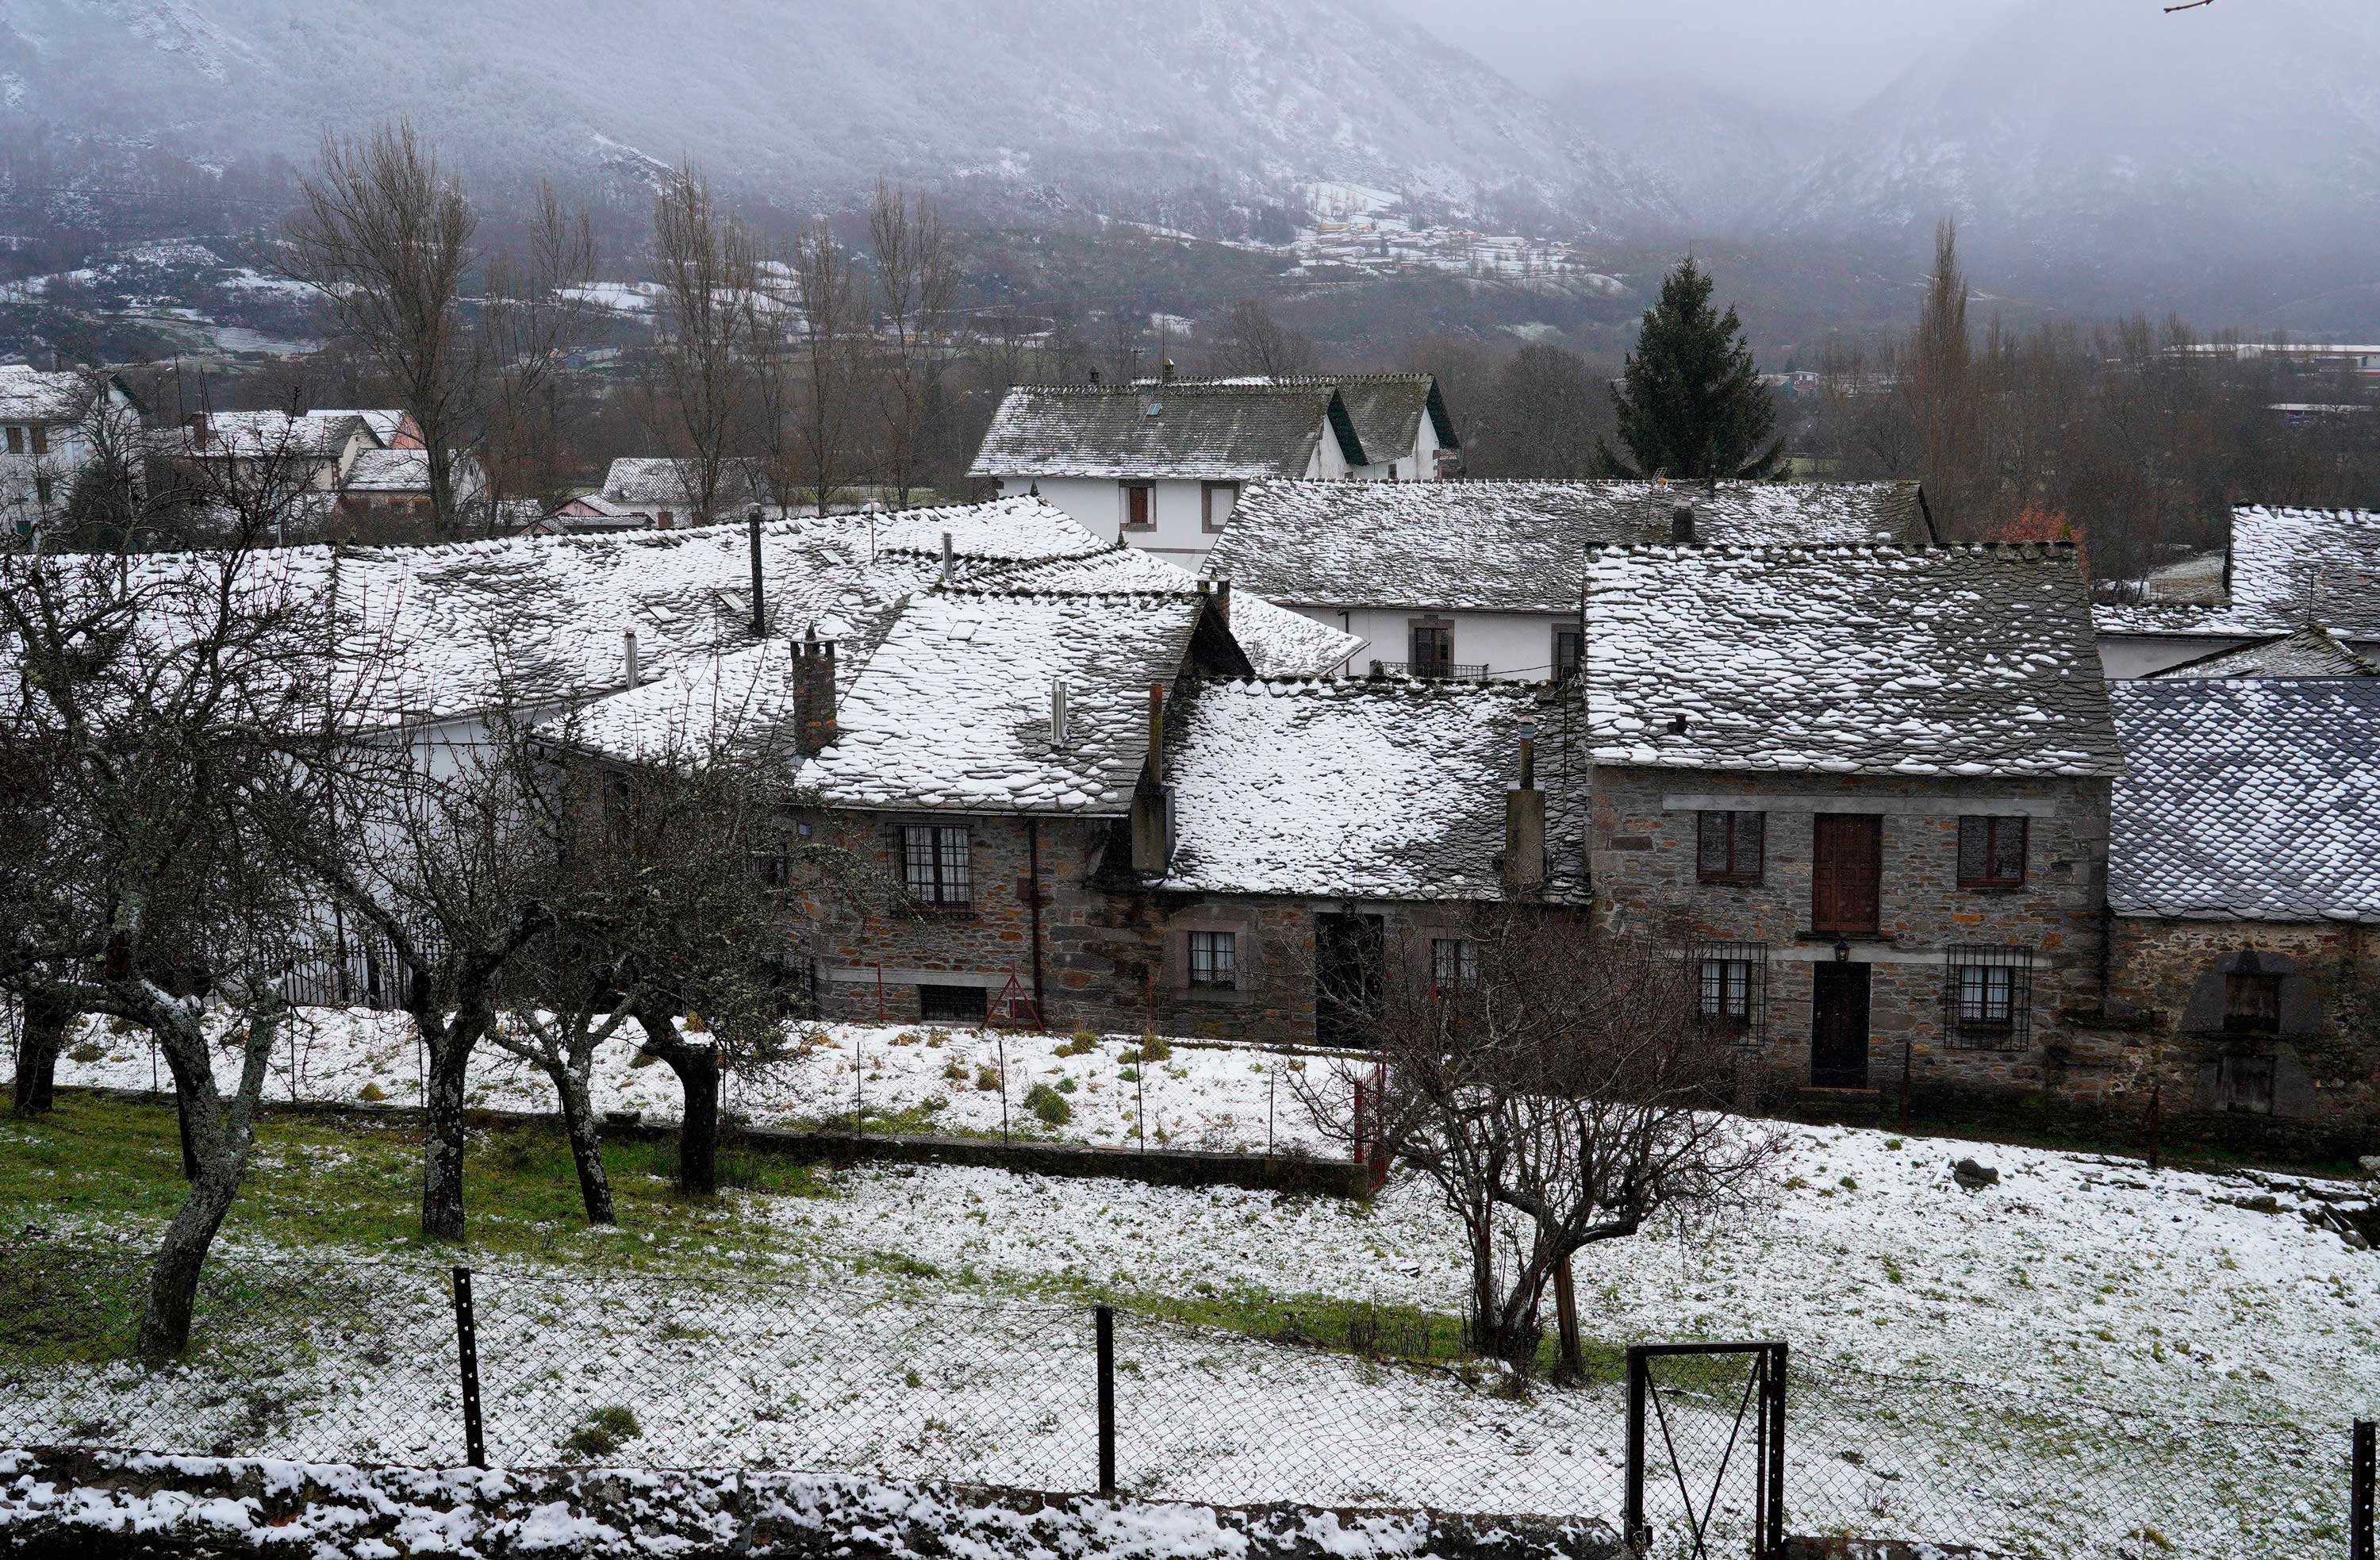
(344, 1360)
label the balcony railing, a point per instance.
(1434, 671)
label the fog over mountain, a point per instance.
(2099, 153)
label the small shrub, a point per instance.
(1082, 1042)
(987, 1079)
(1153, 1048)
(1849, 1184)
(373, 1093)
(1067, 1086)
(934, 1102)
(1892, 1142)
(905, 1038)
(954, 1070)
(1795, 1182)
(1130, 1075)
(1049, 1104)
(604, 1432)
(86, 1052)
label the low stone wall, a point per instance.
(104, 1505)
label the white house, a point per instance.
(1160, 465)
(1482, 579)
(45, 425)
(2284, 569)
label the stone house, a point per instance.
(2244, 891)
(391, 487)
(1480, 579)
(1162, 464)
(1865, 791)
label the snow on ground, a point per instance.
(2186, 1296)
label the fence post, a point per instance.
(467, 1345)
(2359, 1491)
(1103, 1318)
(1633, 1528)
(1773, 1475)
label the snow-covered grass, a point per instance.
(2179, 1298)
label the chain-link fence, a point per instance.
(360, 1361)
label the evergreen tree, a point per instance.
(1690, 403)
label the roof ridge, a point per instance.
(1744, 549)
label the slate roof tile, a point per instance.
(2248, 798)
(2288, 567)
(1189, 429)
(1280, 643)
(2308, 652)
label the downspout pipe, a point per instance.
(1033, 910)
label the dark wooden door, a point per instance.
(1847, 872)
(1838, 1025)
(1350, 972)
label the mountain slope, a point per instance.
(2204, 148)
(824, 95)
(1724, 159)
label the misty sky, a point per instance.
(1823, 53)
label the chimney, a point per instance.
(1095, 378)
(1153, 803)
(1058, 712)
(1223, 600)
(1524, 823)
(197, 430)
(950, 553)
(1682, 524)
(759, 606)
(1165, 372)
(628, 653)
(813, 693)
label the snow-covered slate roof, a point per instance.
(1206, 430)
(263, 433)
(1513, 546)
(1944, 661)
(387, 424)
(739, 700)
(664, 482)
(31, 395)
(2310, 651)
(1278, 643)
(1356, 790)
(390, 470)
(2250, 800)
(952, 712)
(2288, 567)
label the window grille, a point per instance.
(1453, 964)
(954, 1005)
(1987, 996)
(934, 864)
(1214, 960)
(1730, 989)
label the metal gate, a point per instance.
(1698, 1414)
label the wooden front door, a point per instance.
(1838, 1025)
(1847, 872)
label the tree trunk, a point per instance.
(174, 1284)
(1571, 1368)
(697, 1133)
(441, 1168)
(37, 1054)
(182, 1132)
(586, 1143)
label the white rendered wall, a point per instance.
(1511, 645)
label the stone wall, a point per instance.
(2169, 977)
(1644, 857)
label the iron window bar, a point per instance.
(1987, 996)
(1434, 671)
(1730, 984)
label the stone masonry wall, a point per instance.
(1643, 856)
(2326, 1069)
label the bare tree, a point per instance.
(1554, 1085)
(832, 342)
(1250, 341)
(160, 724)
(916, 286)
(710, 275)
(529, 316)
(385, 238)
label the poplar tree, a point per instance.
(1690, 402)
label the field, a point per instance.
(2178, 1353)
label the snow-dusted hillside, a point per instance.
(1075, 95)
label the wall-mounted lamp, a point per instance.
(1842, 950)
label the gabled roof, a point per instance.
(658, 481)
(31, 395)
(2288, 567)
(1513, 546)
(390, 471)
(262, 433)
(1964, 660)
(1365, 790)
(2310, 651)
(1205, 429)
(952, 712)
(1280, 643)
(391, 426)
(2252, 800)
(1387, 409)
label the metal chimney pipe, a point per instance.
(949, 554)
(628, 653)
(1058, 712)
(1157, 727)
(759, 606)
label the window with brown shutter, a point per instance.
(1137, 511)
(1991, 852)
(41, 439)
(1847, 873)
(1730, 847)
(16, 441)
